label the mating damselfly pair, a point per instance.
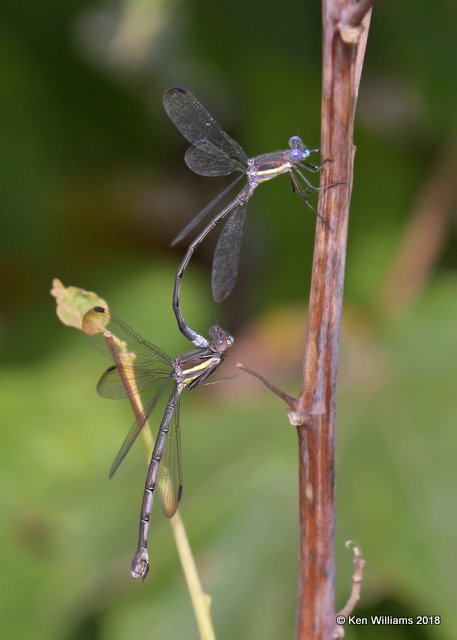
(141, 366)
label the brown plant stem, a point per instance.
(342, 60)
(354, 13)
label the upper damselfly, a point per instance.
(215, 153)
(140, 366)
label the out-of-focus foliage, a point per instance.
(93, 188)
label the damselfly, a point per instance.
(139, 366)
(215, 153)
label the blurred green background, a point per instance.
(93, 188)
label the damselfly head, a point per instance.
(298, 151)
(220, 340)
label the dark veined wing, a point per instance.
(138, 425)
(117, 341)
(169, 479)
(217, 153)
(227, 254)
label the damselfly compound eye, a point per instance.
(296, 155)
(220, 339)
(295, 142)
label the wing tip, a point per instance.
(181, 235)
(222, 293)
(180, 88)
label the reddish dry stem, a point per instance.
(341, 73)
(354, 15)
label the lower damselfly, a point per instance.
(139, 366)
(215, 153)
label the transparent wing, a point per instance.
(204, 212)
(169, 479)
(130, 382)
(202, 130)
(116, 340)
(227, 254)
(137, 426)
(208, 160)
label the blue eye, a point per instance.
(295, 142)
(296, 155)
